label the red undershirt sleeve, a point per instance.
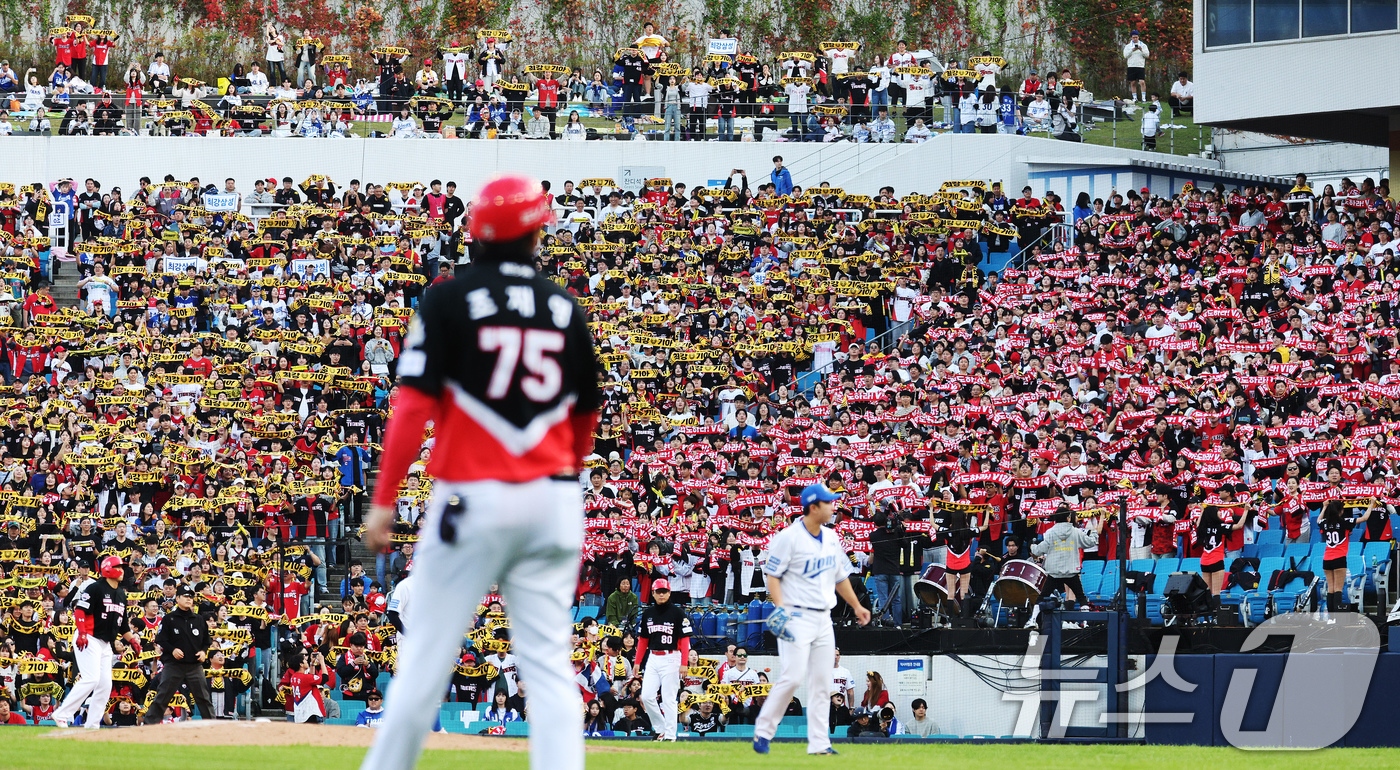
(583, 424)
(641, 651)
(685, 649)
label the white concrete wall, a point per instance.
(1265, 79)
(961, 703)
(861, 169)
(1247, 152)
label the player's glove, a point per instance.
(82, 641)
(777, 624)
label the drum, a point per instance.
(932, 586)
(1020, 583)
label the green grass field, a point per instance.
(25, 749)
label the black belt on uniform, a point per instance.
(563, 477)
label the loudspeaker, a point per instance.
(1228, 616)
(1186, 594)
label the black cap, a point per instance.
(184, 591)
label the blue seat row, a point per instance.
(1367, 567)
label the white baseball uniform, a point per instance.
(808, 569)
(525, 537)
(663, 675)
(400, 601)
(94, 685)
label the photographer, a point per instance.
(893, 555)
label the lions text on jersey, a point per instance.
(809, 567)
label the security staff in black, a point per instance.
(184, 644)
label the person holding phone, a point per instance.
(1135, 54)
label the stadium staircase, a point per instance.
(337, 569)
(65, 284)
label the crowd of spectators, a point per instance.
(209, 411)
(843, 91)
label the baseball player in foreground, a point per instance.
(99, 618)
(806, 566)
(501, 361)
(665, 633)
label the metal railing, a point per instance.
(1057, 233)
(883, 342)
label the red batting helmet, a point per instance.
(509, 207)
(111, 567)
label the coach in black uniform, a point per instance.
(184, 644)
(665, 633)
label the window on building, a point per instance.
(1275, 20)
(1372, 15)
(1324, 17)
(1227, 22)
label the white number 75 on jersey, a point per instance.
(530, 347)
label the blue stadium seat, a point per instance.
(1256, 606)
(452, 712)
(1141, 565)
(1283, 599)
(1298, 552)
(1250, 550)
(1376, 552)
(1092, 567)
(1108, 584)
(1154, 608)
(1355, 535)
(1269, 537)
(1163, 573)
(739, 730)
(589, 611)
(1189, 565)
(1270, 549)
(517, 728)
(1268, 566)
(1091, 583)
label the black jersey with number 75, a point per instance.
(509, 357)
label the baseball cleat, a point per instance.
(760, 745)
(828, 750)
